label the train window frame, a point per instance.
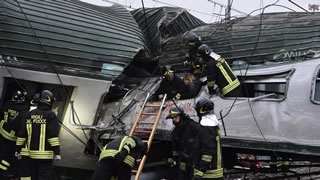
(315, 94)
(62, 100)
(264, 84)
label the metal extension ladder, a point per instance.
(154, 127)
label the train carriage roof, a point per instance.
(76, 37)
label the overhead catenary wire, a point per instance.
(55, 70)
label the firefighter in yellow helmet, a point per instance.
(171, 85)
(218, 72)
(183, 138)
(207, 152)
(191, 58)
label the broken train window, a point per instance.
(274, 85)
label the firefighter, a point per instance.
(207, 154)
(118, 158)
(24, 169)
(171, 85)
(191, 58)
(183, 137)
(12, 115)
(218, 72)
(41, 132)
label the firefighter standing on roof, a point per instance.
(207, 151)
(171, 85)
(118, 158)
(41, 133)
(191, 58)
(183, 139)
(12, 116)
(218, 72)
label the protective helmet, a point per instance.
(204, 106)
(18, 96)
(167, 69)
(203, 50)
(175, 111)
(193, 40)
(35, 100)
(47, 97)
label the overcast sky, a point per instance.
(205, 10)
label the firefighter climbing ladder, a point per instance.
(154, 127)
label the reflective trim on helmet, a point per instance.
(168, 72)
(192, 43)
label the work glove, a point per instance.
(57, 157)
(17, 155)
(196, 177)
(212, 91)
(121, 155)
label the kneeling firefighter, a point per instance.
(118, 158)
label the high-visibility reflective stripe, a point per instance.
(175, 153)
(25, 151)
(5, 117)
(25, 178)
(3, 167)
(206, 158)
(285, 162)
(219, 162)
(129, 160)
(20, 141)
(122, 143)
(182, 166)
(211, 83)
(108, 153)
(217, 173)
(54, 141)
(9, 136)
(29, 131)
(197, 172)
(230, 86)
(42, 141)
(131, 142)
(4, 162)
(224, 72)
(127, 148)
(41, 154)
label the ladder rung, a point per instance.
(145, 122)
(152, 105)
(134, 171)
(150, 114)
(141, 131)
